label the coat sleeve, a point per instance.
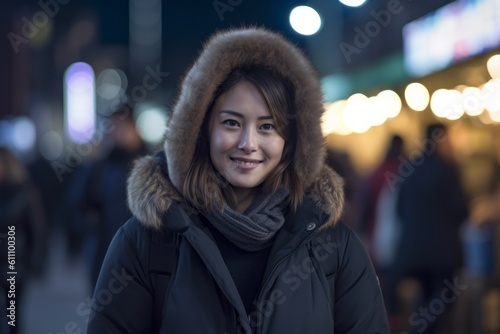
(122, 301)
(359, 305)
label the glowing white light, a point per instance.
(417, 96)
(495, 116)
(151, 125)
(493, 66)
(353, 3)
(447, 103)
(23, 134)
(305, 20)
(456, 109)
(490, 95)
(51, 145)
(376, 111)
(390, 101)
(439, 102)
(79, 102)
(333, 121)
(472, 103)
(355, 114)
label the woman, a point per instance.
(243, 203)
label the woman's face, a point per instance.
(244, 144)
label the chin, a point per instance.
(245, 184)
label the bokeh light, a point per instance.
(151, 125)
(472, 103)
(495, 116)
(417, 96)
(23, 134)
(305, 20)
(333, 121)
(447, 103)
(51, 145)
(111, 83)
(352, 3)
(390, 101)
(355, 114)
(377, 111)
(79, 102)
(490, 94)
(440, 102)
(493, 66)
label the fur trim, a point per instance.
(151, 191)
(328, 193)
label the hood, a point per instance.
(154, 182)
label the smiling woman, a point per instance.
(247, 128)
(236, 222)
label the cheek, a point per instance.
(218, 142)
(277, 147)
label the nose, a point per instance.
(248, 141)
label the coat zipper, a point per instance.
(234, 321)
(279, 263)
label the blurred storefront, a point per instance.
(447, 72)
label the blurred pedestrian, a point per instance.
(97, 195)
(379, 223)
(21, 233)
(432, 208)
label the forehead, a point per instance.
(243, 96)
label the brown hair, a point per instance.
(204, 187)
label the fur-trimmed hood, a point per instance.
(151, 191)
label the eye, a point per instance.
(230, 122)
(267, 127)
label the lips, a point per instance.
(246, 162)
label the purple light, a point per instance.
(79, 102)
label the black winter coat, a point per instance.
(295, 294)
(295, 297)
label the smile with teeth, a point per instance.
(246, 163)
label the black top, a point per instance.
(246, 268)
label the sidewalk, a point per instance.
(57, 303)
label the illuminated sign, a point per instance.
(453, 33)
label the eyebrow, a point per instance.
(237, 114)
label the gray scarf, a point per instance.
(255, 228)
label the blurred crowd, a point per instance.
(435, 249)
